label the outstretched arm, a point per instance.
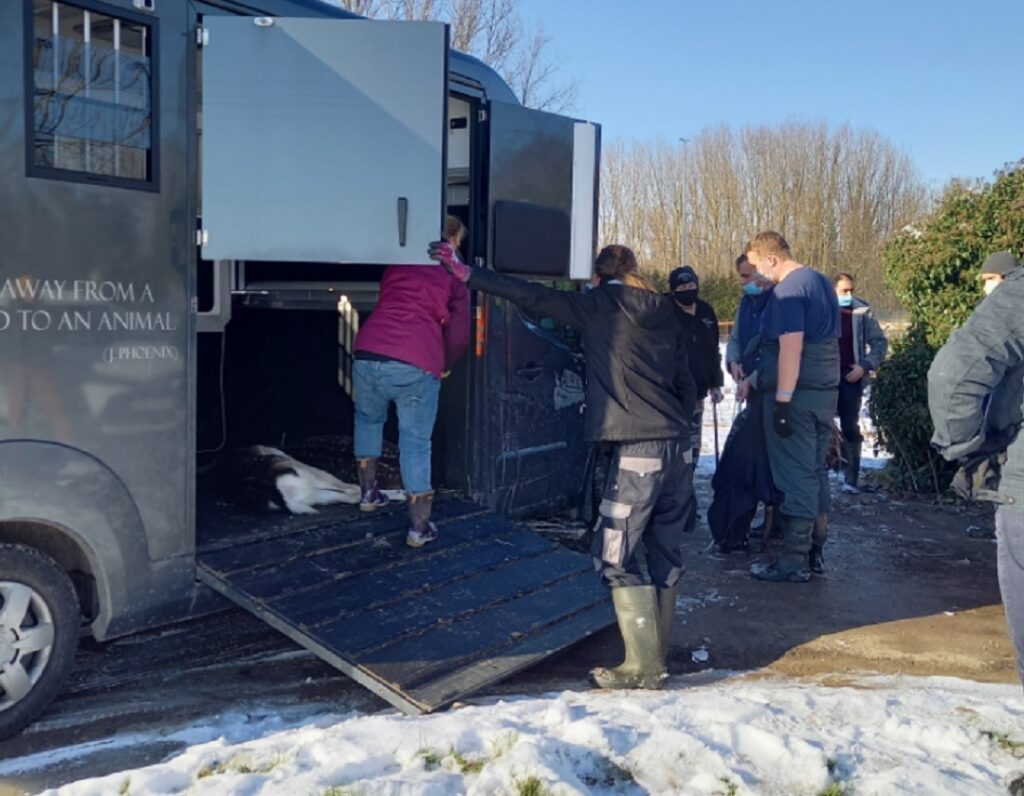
(572, 309)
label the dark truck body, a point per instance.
(151, 306)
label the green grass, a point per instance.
(240, 765)
(431, 757)
(1003, 741)
(531, 786)
(833, 789)
(460, 763)
(466, 765)
(502, 743)
(731, 788)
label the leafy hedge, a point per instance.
(933, 269)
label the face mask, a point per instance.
(685, 297)
(753, 289)
(989, 285)
(845, 301)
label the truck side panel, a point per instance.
(94, 292)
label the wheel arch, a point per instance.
(68, 551)
(66, 503)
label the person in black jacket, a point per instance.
(700, 325)
(640, 398)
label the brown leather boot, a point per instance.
(370, 498)
(421, 529)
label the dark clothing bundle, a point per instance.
(639, 385)
(743, 477)
(701, 336)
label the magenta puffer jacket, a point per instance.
(421, 318)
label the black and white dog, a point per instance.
(261, 477)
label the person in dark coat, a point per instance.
(700, 324)
(862, 348)
(415, 334)
(639, 398)
(976, 401)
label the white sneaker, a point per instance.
(850, 489)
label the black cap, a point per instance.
(1000, 263)
(683, 275)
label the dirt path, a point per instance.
(907, 591)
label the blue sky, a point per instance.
(943, 80)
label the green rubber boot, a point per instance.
(666, 612)
(636, 608)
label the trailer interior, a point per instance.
(421, 628)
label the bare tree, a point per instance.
(836, 194)
(493, 31)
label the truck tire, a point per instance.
(39, 630)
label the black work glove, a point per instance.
(781, 419)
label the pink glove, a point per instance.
(445, 253)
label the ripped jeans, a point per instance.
(642, 513)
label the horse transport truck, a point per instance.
(199, 198)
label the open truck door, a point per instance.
(324, 142)
(542, 215)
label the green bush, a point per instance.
(933, 269)
(723, 293)
(899, 407)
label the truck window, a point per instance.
(91, 87)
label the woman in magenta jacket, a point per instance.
(414, 336)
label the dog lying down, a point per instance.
(262, 477)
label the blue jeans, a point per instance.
(415, 394)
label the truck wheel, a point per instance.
(39, 628)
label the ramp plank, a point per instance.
(310, 604)
(421, 628)
(411, 661)
(313, 563)
(421, 611)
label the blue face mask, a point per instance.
(753, 289)
(845, 301)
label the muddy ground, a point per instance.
(907, 591)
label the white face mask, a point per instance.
(989, 285)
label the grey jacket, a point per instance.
(976, 387)
(869, 342)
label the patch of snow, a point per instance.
(879, 735)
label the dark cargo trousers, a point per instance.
(799, 470)
(1010, 537)
(643, 512)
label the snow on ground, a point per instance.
(704, 735)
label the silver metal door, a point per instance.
(323, 140)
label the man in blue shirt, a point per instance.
(800, 364)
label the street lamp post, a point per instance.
(682, 208)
